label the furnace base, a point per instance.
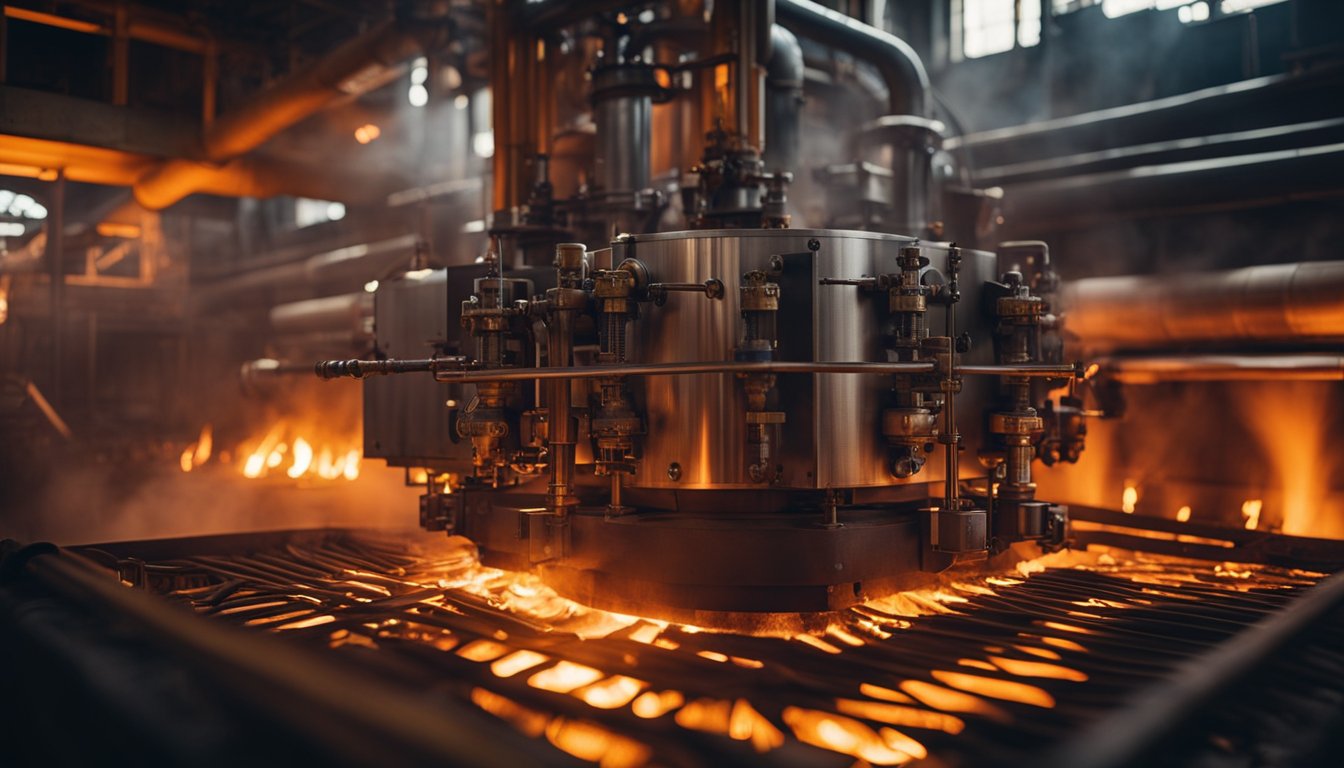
(682, 564)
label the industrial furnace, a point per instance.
(698, 382)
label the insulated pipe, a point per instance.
(783, 100)
(349, 312)
(1276, 303)
(359, 65)
(901, 69)
(1154, 370)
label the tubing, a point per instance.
(1153, 370)
(1278, 303)
(901, 69)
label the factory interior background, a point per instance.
(680, 382)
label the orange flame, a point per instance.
(198, 452)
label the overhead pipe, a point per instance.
(783, 99)
(900, 67)
(1205, 368)
(1295, 303)
(358, 66)
(352, 265)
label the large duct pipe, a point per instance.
(351, 265)
(359, 65)
(900, 67)
(1299, 303)
(348, 315)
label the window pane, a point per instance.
(987, 27)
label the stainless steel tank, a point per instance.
(832, 437)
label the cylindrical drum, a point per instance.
(832, 435)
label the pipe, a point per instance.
(560, 439)
(1153, 370)
(1277, 303)
(349, 312)
(353, 264)
(359, 65)
(783, 100)
(448, 369)
(900, 67)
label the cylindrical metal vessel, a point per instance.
(1275, 303)
(832, 437)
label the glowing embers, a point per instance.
(564, 677)
(738, 719)
(885, 746)
(580, 738)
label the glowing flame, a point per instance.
(303, 458)
(198, 452)
(1129, 499)
(1297, 440)
(1183, 515)
(300, 456)
(1251, 511)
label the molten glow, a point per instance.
(884, 694)
(1130, 498)
(746, 724)
(303, 458)
(847, 736)
(816, 642)
(612, 693)
(564, 677)
(516, 662)
(482, 650)
(896, 714)
(1183, 515)
(710, 715)
(300, 457)
(1007, 690)
(591, 742)
(1298, 442)
(650, 705)
(1251, 511)
(198, 452)
(1067, 645)
(1066, 627)
(949, 700)
(529, 721)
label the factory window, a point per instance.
(1186, 10)
(994, 26)
(20, 206)
(308, 212)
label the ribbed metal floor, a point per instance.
(977, 670)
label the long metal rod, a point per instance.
(1133, 734)
(448, 369)
(1152, 370)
